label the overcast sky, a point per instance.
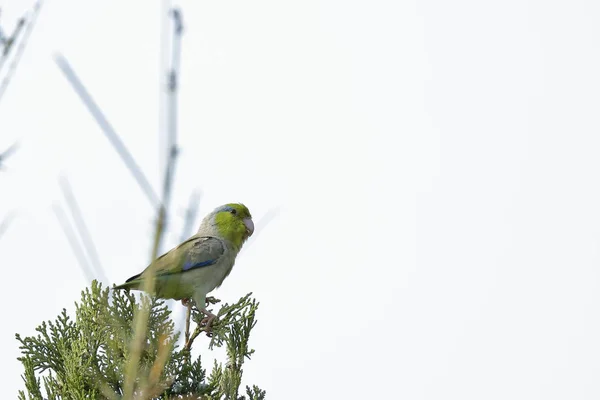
(435, 165)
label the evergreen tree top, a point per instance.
(89, 357)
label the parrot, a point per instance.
(200, 264)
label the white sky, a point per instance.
(435, 165)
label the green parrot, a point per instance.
(201, 263)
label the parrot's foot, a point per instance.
(208, 321)
(209, 300)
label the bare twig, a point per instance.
(189, 339)
(21, 47)
(262, 223)
(6, 223)
(141, 318)
(11, 149)
(172, 91)
(199, 329)
(188, 315)
(190, 218)
(108, 130)
(165, 7)
(75, 246)
(7, 153)
(153, 387)
(190, 215)
(84, 233)
(9, 42)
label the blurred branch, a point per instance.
(190, 216)
(172, 92)
(75, 246)
(165, 7)
(141, 317)
(188, 315)
(4, 155)
(262, 223)
(84, 233)
(10, 42)
(6, 223)
(140, 321)
(108, 130)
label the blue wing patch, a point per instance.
(191, 265)
(203, 252)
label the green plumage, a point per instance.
(169, 271)
(201, 263)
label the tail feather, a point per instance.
(131, 283)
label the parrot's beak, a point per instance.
(249, 226)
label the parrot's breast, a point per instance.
(209, 278)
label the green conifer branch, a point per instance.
(88, 356)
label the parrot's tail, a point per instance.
(131, 283)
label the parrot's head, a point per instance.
(232, 222)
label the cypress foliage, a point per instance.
(86, 357)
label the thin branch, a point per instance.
(165, 7)
(188, 315)
(75, 246)
(154, 387)
(80, 225)
(141, 318)
(8, 152)
(172, 90)
(9, 42)
(6, 223)
(108, 130)
(21, 47)
(190, 215)
(262, 223)
(189, 339)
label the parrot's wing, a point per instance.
(203, 252)
(196, 252)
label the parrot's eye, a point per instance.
(233, 211)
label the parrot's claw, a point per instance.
(208, 321)
(209, 300)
